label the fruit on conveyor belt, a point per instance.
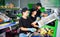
(1, 20)
(44, 31)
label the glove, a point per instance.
(31, 29)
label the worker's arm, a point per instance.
(34, 24)
(28, 29)
(24, 29)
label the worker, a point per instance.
(24, 24)
(38, 7)
(32, 17)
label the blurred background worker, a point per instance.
(38, 7)
(24, 24)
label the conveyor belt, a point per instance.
(2, 26)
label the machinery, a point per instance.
(49, 18)
(50, 22)
(52, 17)
(4, 18)
(47, 30)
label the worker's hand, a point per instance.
(34, 23)
(31, 29)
